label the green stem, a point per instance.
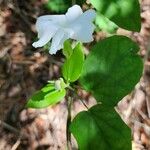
(73, 2)
(68, 133)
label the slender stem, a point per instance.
(68, 133)
(75, 92)
(84, 104)
(73, 2)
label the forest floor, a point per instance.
(24, 69)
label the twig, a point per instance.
(144, 117)
(68, 133)
(12, 129)
(4, 51)
(147, 52)
(84, 104)
(24, 62)
(15, 146)
(76, 94)
(81, 100)
(9, 127)
(148, 106)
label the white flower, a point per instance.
(74, 24)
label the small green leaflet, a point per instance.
(100, 128)
(67, 50)
(124, 13)
(46, 96)
(73, 64)
(112, 69)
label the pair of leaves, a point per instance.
(53, 93)
(101, 128)
(48, 95)
(110, 72)
(124, 13)
(74, 62)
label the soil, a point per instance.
(23, 70)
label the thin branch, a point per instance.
(12, 129)
(68, 133)
(76, 94)
(9, 127)
(16, 145)
(84, 103)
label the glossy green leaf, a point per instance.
(73, 65)
(101, 128)
(112, 69)
(46, 96)
(125, 13)
(67, 50)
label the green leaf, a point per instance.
(56, 5)
(67, 50)
(101, 128)
(73, 65)
(125, 13)
(61, 5)
(46, 96)
(105, 24)
(112, 69)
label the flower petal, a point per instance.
(89, 15)
(74, 24)
(55, 19)
(73, 13)
(83, 27)
(58, 40)
(46, 31)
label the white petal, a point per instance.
(83, 27)
(73, 13)
(55, 19)
(89, 15)
(46, 31)
(74, 24)
(58, 40)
